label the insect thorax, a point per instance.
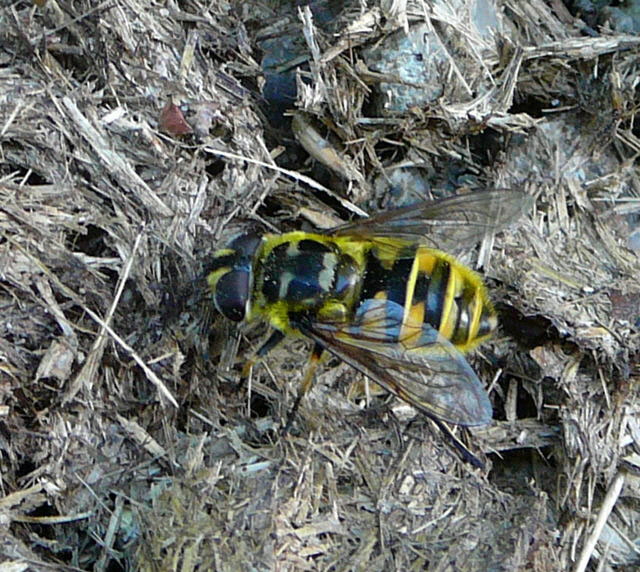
(305, 272)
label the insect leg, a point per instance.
(305, 385)
(274, 339)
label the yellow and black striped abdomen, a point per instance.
(449, 296)
(433, 288)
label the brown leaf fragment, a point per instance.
(172, 121)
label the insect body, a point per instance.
(380, 294)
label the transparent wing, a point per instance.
(417, 364)
(445, 224)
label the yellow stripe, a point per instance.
(223, 252)
(426, 260)
(411, 319)
(386, 253)
(447, 321)
(415, 315)
(213, 277)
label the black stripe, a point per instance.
(421, 288)
(393, 281)
(461, 331)
(399, 278)
(374, 277)
(221, 261)
(308, 245)
(484, 327)
(437, 293)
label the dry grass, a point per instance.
(125, 441)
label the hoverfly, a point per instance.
(382, 294)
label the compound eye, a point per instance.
(232, 294)
(246, 244)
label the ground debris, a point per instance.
(135, 137)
